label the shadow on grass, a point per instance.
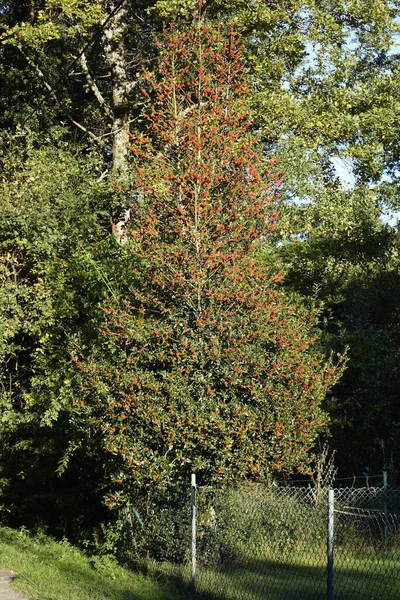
(251, 580)
(258, 579)
(268, 579)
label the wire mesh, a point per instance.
(257, 542)
(157, 532)
(370, 497)
(367, 545)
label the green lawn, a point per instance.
(355, 578)
(47, 570)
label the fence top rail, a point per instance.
(357, 514)
(280, 487)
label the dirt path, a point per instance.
(6, 593)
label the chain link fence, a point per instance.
(157, 531)
(366, 544)
(257, 542)
(254, 542)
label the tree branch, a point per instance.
(93, 86)
(55, 98)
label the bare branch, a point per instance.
(115, 131)
(93, 86)
(55, 98)
(103, 175)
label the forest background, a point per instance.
(323, 98)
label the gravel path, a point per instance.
(6, 593)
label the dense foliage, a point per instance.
(203, 365)
(323, 99)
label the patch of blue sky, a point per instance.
(344, 171)
(344, 168)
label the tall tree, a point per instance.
(202, 365)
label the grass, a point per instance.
(50, 570)
(355, 578)
(272, 544)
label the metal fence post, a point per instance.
(385, 510)
(331, 531)
(194, 489)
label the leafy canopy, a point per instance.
(202, 365)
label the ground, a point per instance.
(6, 593)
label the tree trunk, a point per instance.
(116, 57)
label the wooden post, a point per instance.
(330, 545)
(194, 489)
